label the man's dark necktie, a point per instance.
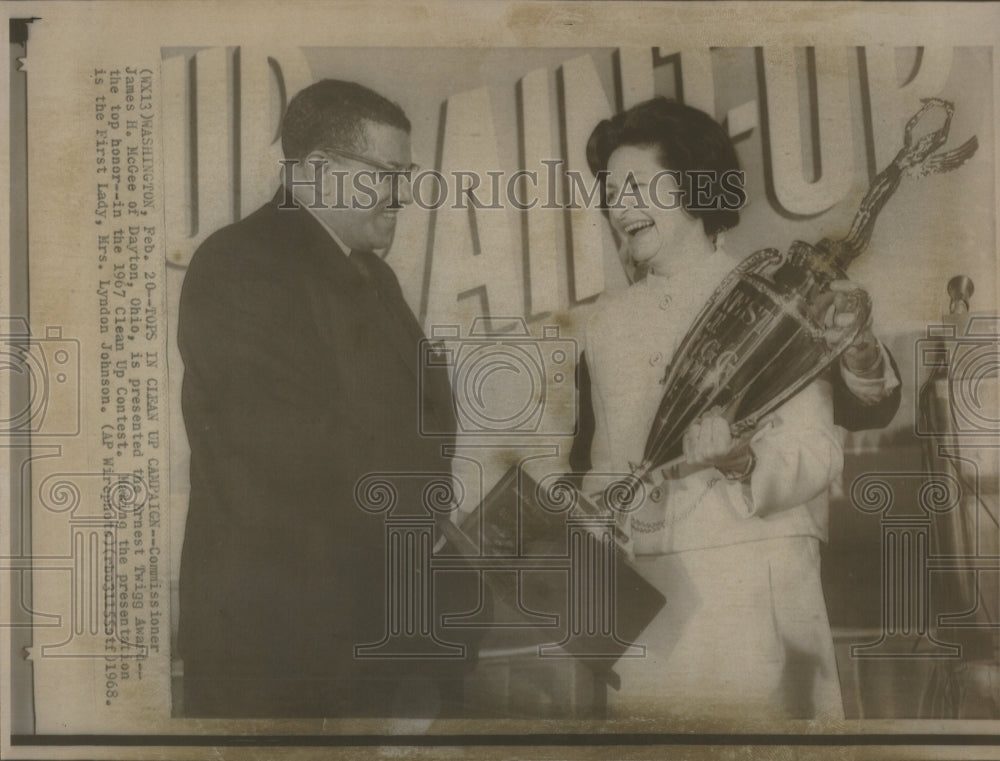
(437, 385)
(362, 260)
(366, 262)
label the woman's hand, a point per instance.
(842, 315)
(709, 442)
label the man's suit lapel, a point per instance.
(435, 383)
(390, 314)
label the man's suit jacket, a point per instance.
(298, 380)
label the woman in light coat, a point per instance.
(734, 542)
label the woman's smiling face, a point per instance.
(646, 210)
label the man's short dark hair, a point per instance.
(331, 114)
(688, 140)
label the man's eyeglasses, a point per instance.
(384, 169)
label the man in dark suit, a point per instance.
(300, 377)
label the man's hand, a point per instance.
(709, 442)
(862, 357)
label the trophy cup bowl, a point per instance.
(758, 341)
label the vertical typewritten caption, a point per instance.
(129, 283)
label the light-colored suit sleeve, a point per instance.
(871, 390)
(798, 453)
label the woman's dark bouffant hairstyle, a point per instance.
(688, 139)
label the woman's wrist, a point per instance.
(740, 471)
(864, 360)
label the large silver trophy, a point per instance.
(760, 338)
